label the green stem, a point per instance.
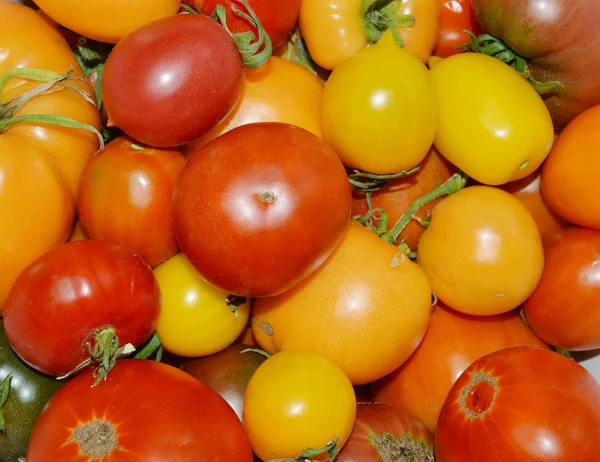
(379, 16)
(367, 182)
(256, 350)
(454, 184)
(151, 347)
(4, 391)
(331, 448)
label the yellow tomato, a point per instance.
(379, 111)
(335, 30)
(107, 20)
(492, 124)
(297, 400)
(482, 252)
(194, 319)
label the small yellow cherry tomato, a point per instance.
(297, 400)
(379, 110)
(482, 252)
(492, 124)
(195, 319)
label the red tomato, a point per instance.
(456, 16)
(384, 432)
(170, 81)
(125, 196)
(260, 208)
(278, 19)
(452, 342)
(521, 404)
(64, 298)
(146, 411)
(563, 309)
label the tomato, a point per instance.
(453, 341)
(28, 394)
(195, 319)
(278, 19)
(128, 184)
(277, 91)
(569, 177)
(563, 309)
(521, 403)
(40, 164)
(145, 410)
(398, 195)
(499, 133)
(384, 432)
(61, 301)
(528, 190)
(375, 121)
(227, 372)
(531, 28)
(297, 400)
(456, 16)
(254, 222)
(335, 30)
(482, 253)
(361, 292)
(107, 21)
(190, 80)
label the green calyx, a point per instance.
(331, 448)
(4, 391)
(379, 16)
(489, 45)
(153, 346)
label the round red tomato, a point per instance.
(563, 309)
(61, 301)
(521, 404)
(127, 185)
(260, 208)
(384, 432)
(145, 410)
(170, 81)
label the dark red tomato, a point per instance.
(144, 411)
(386, 433)
(277, 18)
(170, 81)
(560, 41)
(227, 372)
(261, 207)
(521, 404)
(63, 299)
(125, 196)
(564, 309)
(456, 16)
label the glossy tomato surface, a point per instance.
(260, 208)
(145, 410)
(456, 16)
(563, 309)
(521, 404)
(64, 298)
(188, 78)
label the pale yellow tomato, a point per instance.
(195, 319)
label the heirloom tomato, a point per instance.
(107, 21)
(568, 56)
(456, 16)
(482, 252)
(77, 297)
(368, 290)
(40, 162)
(144, 410)
(335, 30)
(499, 133)
(297, 400)
(260, 208)
(195, 319)
(379, 111)
(521, 404)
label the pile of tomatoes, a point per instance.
(298, 231)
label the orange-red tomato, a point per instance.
(456, 16)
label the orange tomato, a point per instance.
(277, 91)
(367, 292)
(40, 164)
(335, 30)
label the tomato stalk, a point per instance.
(410, 449)
(154, 345)
(4, 391)
(258, 351)
(331, 448)
(378, 16)
(365, 181)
